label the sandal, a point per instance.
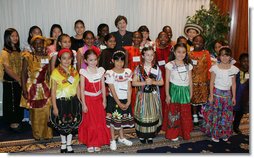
(90, 149)
(97, 149)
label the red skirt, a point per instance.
(179, 121)
(93, 131)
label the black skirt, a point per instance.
(118, 118)
(12, 112)
(69, 116)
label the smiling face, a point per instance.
(118, 63)
(92, 60)
(191, 33)
(137, 39)
(148, 56)
(14, 38)
(225, 59)
(163, 39)
(79, 28)
(89, 39)
(104, 31)
(122, 25)
(66, 59)
(180, 53)
(56, 32)
(38, 45)
(198, 43)
(65, 42)
(111, 43)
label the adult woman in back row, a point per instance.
(123, 37)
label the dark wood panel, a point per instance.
(238, 36)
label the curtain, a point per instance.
(22, 14)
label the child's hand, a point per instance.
(25, 94)
(210, 99)
(122, 106)
(84, 109)
(233, 101)
(168, 99)
(104, 104)
(55, 111)
(149, 81)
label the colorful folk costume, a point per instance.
(93, 131)
(38, 101)
(179, 119)
(68, 105)
(134, 59)
(147, 113)
(119, 118)
(219, 114)
(201, 61)
(162, 57)
(242, 98)
(12, 112)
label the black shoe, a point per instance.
(63, 150)
(150, 140)
(142, 140)
(237, 131)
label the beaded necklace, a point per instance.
(184, 72)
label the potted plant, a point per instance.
(216, 26)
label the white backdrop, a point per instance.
(22, 14)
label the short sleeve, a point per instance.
(190, 67)
(109, 77)
(4, 58)
(235, 70)
(128, 74)
(54, 75)
(169, 66)
(213, 68)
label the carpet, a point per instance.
(199, 143)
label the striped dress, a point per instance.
(147, 113)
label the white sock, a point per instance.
(63, 141)
(69, 139)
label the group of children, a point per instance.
(95, 90)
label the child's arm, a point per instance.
(9, 71)
(79, 58)
(190, 83)
(233, 90)
(167, 86)
(82, 87)
(136, 82)
(103, 91)
(24, 78)
(52, 63)
(53, 96)
(113, 92)
(211, 86)
(129, 95)
(78, 92)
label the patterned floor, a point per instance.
(199, 143)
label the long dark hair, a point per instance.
(7, 40)
(53, 27)
(172, 56)
(30, 32)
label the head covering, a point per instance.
(64, 50)
(196, 27)
(47, 42)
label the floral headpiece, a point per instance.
(224, 47)
(150, 44)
